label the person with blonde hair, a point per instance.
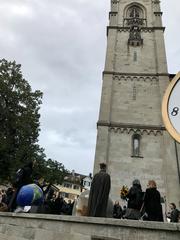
(152, 203)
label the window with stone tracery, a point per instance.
(135, 12)
(135, 16)
(134, 19)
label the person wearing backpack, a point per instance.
(23, 177)
(135, 201)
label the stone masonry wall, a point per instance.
(52, 227)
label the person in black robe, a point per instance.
(99, 193)
(152, 203)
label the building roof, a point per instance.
(68, 190)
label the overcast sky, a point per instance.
(61, 46)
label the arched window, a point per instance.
(135, 12)
(135, 15)
(136, 139)
(134, 18)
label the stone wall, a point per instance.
(51, 227)
(148, 166)
(136, 100)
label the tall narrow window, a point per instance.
(135, 56)
(136, 145)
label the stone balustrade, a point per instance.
(53, 227)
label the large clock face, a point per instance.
(171, 108)
(174, 106)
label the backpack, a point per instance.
(136, 199)
(139, 199)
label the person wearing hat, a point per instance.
(99, 193)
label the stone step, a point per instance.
(6, 237)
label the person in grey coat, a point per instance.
(99, 193)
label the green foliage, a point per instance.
(19, 118)
(20, 126)
(52, 171)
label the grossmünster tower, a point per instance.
(131, 137)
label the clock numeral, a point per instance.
(175, 111)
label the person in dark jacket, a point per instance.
(24, 179)
(152, 203)
(69, 207)
(58, 203)
(99, 193)
(174, 214)
(135, 201)
(27, 174)
(9, 194)
(117, 210)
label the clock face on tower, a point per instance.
(171, 108)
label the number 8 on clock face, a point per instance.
(171, 108)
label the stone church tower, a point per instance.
(131, 137)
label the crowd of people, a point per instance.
(145, 205)
(54, 202)
(139, 205)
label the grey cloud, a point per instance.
(61, 46)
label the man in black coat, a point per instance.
(99, 193)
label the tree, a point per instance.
(19, 119)
(20, 127)
(52, 171)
